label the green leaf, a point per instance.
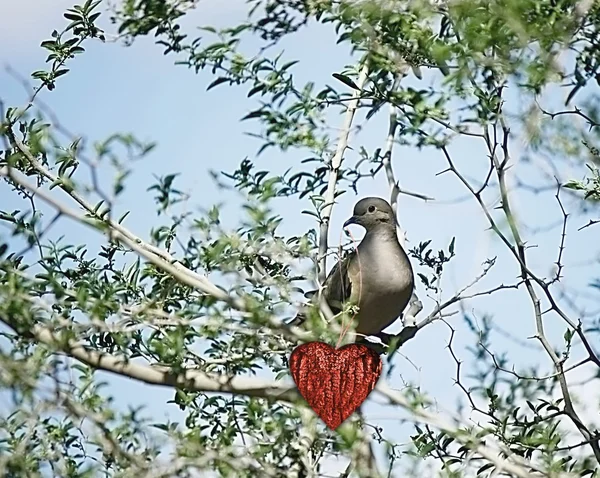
(484, 468)
(568, 335)
(451, 246)
(73, 16)
(253, 114)
(255, 90)
(217, 82)
(576, 185)
(344, 79)
(49, 44)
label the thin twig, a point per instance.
(146, 249)
(182, 274)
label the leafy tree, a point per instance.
(199, 307)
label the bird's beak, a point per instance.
(352, 220)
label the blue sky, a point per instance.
(112, 88)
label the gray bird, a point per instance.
(379, 279)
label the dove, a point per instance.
(377, 276)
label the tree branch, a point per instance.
(195, 380)
(513, 464)
(525, 275)
(336, 163)
(188, 380)
(145, 249)
(181, 273)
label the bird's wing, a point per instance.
(337, 288)
(338, 284)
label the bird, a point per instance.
(377, 276)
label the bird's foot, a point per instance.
(377, 342)
(409, 320)
(410, 317)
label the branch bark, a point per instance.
(163, 376)
(177, 270)
(252, 387)
(336, 163)
(145, 249)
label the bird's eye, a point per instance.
(371, 209)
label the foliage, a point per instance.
(198, 305)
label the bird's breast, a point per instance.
(385, 284)
(385, 266)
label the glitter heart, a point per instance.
(334, 382)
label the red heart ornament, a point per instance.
(334, 382)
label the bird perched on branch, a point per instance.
(377, 276)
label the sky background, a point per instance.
(113, 88)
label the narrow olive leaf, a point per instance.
(255, 90)
(289, 65)
(576, 185)
(572, 93)
(122, 218)
(344, 79)
(310, 213)
(376, 107)
(485, 467)
(72, 16)
(253, 114)
(217, 82)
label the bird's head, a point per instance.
(371, 212)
